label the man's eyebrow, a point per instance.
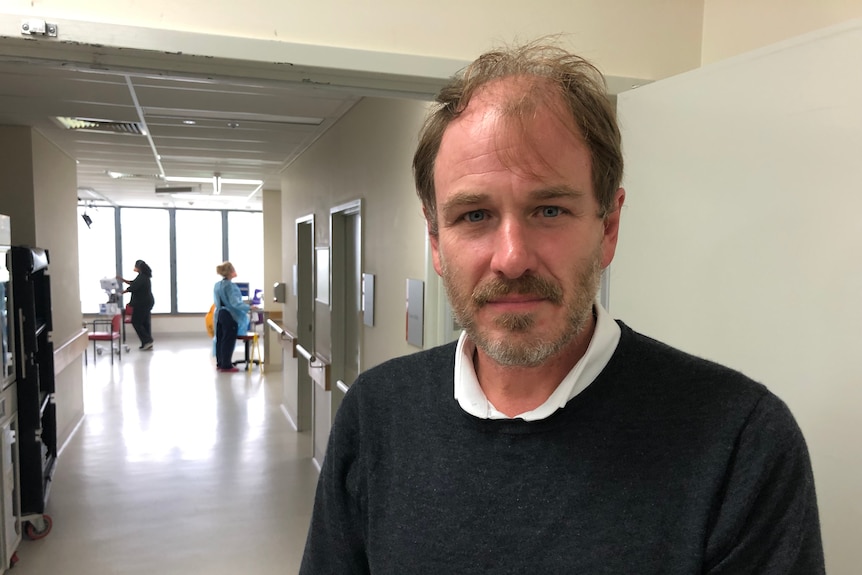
(463, 199)
(557, 192)
(467, 199)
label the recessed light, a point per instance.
(189, 122)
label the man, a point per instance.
(550, 438)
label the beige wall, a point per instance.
(731, 27)
(640, 38)
(272, 271)
(39, 194)
(55, 201)
(55, 195)
(372, 147)
(16, 174)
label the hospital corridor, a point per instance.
(177, 468)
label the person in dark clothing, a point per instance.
(142, 303)
(231, 316)
(550, 438)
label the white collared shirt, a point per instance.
(472, 399)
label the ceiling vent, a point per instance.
(179, 190)
(94, 125)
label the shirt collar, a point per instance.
(602, 345)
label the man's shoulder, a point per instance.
(648, 352)
(411, 370)
(661, 383)
(658, 368)
(401, 388)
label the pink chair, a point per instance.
(107, 330)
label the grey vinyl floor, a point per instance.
(177, 468)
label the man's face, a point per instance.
(521, 245)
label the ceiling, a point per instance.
(156, 118)
(165, 127)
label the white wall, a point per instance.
(741, 237)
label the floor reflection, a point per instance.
(177, 469)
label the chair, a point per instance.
(107, 330)
(127, 319)
(251, 340)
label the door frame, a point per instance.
(339, 244)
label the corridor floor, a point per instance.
(177, 469)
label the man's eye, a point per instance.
(551, 211)
(476, 216)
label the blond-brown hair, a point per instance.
(575, 80)
(224, 269)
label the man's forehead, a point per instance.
(518, 105)
(524, 129)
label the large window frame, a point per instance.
(124, 263)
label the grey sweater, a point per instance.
(665, 464)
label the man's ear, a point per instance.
(612, 228)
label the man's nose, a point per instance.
(513, 250)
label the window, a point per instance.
(97, 255)
(146, 235)
(199, 251)
(199, 245)
(245, 248)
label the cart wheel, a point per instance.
(99, 350)
(127, 348)
(34, 531)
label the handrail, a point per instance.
(342, 386)
(304, 352)
(319, 369)
(287, 339)
(275, 327)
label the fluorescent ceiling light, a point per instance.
(124, 175)
(206, 197)
(151, 111)
(211, 180)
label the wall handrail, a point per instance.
(304, 353)
(275, 327)
(320, 369)
(286, 338)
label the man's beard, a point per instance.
(518, 347)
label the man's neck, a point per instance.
(515, 390)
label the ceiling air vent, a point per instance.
(94, 125)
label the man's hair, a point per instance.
(577, 83)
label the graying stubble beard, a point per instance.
(531, 353)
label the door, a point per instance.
(297, 382)
(346, 244)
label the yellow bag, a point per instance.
(209, 319)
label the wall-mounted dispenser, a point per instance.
(279, 292)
